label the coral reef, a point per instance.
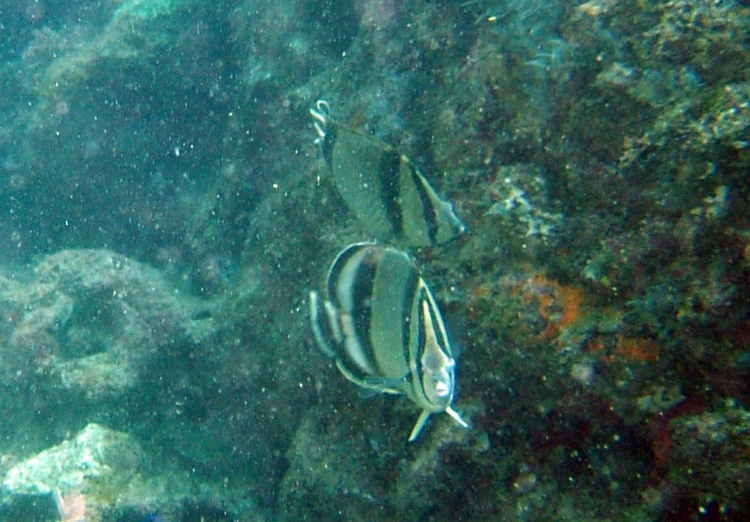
(92, 335)
(88, 322)
(709, 456)
(85, 474)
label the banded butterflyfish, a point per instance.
(381, 324)
(386, 192)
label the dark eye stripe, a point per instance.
(418, 348)
(412, 323)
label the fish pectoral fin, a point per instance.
(417, 429)
(368, 386)
(385, 384)
(368, 392)
(371, 386)
(453, 413)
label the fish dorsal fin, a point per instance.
(320, 115)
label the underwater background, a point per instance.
(165, 210)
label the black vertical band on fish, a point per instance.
(381, 324)
(390, 165)
(385, 190)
